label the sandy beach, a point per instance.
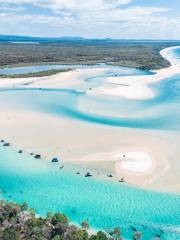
(60, 80)
(138, 87)
(150, 157)
(130, 87)
(143, 158)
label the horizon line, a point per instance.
(87, 38)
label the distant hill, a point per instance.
(13, 38)
(29, 39)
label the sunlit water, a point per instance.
(104, 204)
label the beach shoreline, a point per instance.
(129, 87)
(138, 87)
(147, 153)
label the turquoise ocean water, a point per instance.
(46, 188)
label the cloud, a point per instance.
(101, 18)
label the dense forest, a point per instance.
(144, 55)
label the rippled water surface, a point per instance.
(104, 204)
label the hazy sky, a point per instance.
(152, 19)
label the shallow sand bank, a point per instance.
(132, 87)
(138, 87)
(151, 157)
(155, 153)
(60, 80)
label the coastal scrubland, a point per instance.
(144, 55)
(18, 222)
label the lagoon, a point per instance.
(105, 204)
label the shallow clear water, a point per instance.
(45, 187)
(104, 204)
(161, 112)
(176, 54)
(29, 69)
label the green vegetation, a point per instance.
(143, 55)
(17, 222)
(58, 217)
(85, 224)
(36, 74)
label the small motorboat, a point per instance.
(121, 180)
(6, 144)
(110, 175)
(37, 156)
(88, 174)
(55, 160)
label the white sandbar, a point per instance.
(138, 87)
(138, 162)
